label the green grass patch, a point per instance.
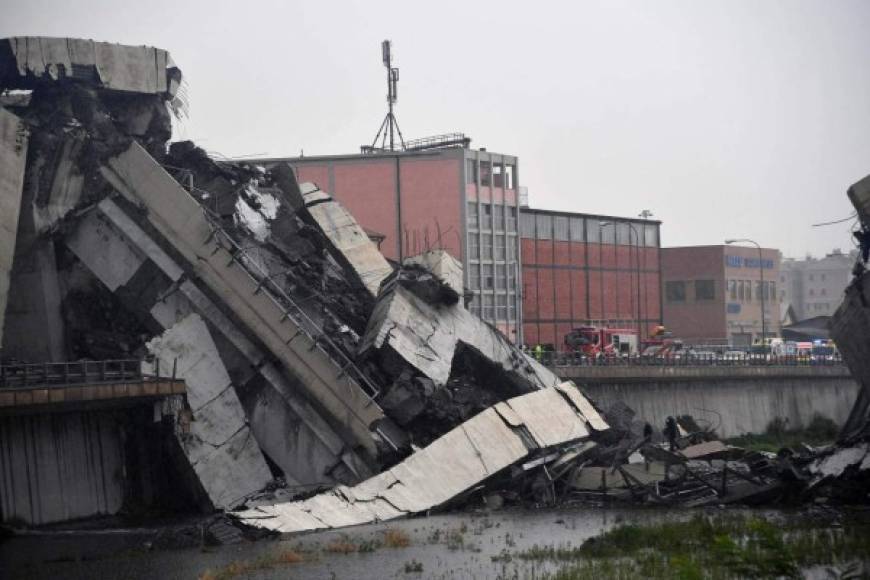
(820, 431)
(729, 546)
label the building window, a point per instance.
(499, 247)
(474, 277)
(486, 277)
(485, 217)
(485, 173)
(500, 279)
(472, 215)
(511, 248)
(511, 276)
(741, 293)
(593, 231)
(470, 171)
(497, 175)
(473, 247)
(509, 173)
(705, 290)
(486, 300)
(675, 291)
(608, 235)
(651, 235)
(486, 247)
(527, 225)
(500, 212)
(512, 307)
(812, 292)
(560, 228)
(544, 227)
(577, 229)
(758, 290)
(501, 307)
(772, 286)
(732, 289)
(510, 219)
(823, 292)
(823, 277)
(623, 234)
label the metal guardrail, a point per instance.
(345, 367)
(70, 374)
(568, 359)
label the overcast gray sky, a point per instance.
(726, 119)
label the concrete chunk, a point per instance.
(29, 60)
(350, 243)
(220, 447)
(13, 158)
(460, 459)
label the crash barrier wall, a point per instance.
(734, 400)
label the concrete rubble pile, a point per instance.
(309, 359)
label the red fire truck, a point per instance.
(595, 341)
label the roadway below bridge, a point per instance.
(736, 399)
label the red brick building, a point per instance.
(582, 269)
(467, 202)
(712, 294)
(456, 198)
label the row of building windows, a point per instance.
(741, 290)
(498, 307)
(491, 174)
(487, 217)
(594, 230)
(492, 276)
(675, 291)
(492, 247)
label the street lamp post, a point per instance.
(763, 288)
(637, 272)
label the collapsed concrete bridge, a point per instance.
(307, 357)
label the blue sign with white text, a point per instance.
(741, 262)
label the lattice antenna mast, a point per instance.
(389, 129)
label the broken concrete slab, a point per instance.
(216, 261)
(219, 445)
(349, 242)
(13, 160)
(436, 279)
(27, 61)
(427, 337)
(290, 431)
(460, 459)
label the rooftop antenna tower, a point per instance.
(389, 128)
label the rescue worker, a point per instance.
(671, 432)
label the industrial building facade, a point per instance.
(581, 269)
(569, 270)
(713, 294)
(459, 199)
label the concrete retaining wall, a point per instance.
(747, 398)
(60, 466)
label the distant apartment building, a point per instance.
(713, 294)
(582, 269)
(456, 198)
(814, 286)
